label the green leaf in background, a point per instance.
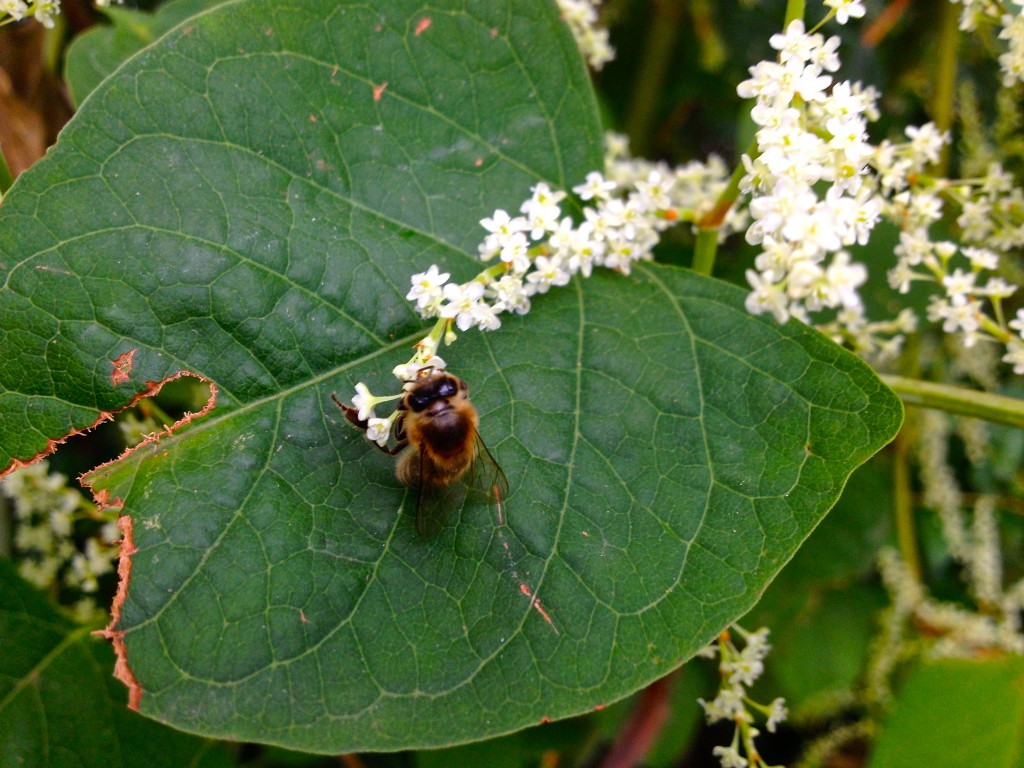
(59, 704)
(822, 608)
(246, 200)
(954, 713)
(92, 56)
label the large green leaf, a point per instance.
(246, 200)
(59, 705)
(96, 53)
(956, 712)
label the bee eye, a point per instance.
(447, 388)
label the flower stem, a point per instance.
(943, 93)
(705, 250)
(963, 402)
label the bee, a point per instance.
(440, 452)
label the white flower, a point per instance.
(844, 278)
(958, 283)
(16, 9)
(654, 191)
(542, 210)
(45, 10)
(1018, 323)
(777, 713)
(427, 290)
(87, 566)
(379, 430)
(462, 301)
(960, 313)
(364, 401)
(846, 9)
(485, 317)
(1015, 355)
(547, 272)
(766, 297)
(510, 295)
(729, 757)
(997, 288)
(595, 187)
(926, 141)
(502, 228)
(516, 251)
(981, 258)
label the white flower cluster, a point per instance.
(986, 12)
(989, 227)
(542, 248)
(45, 511)
(692, 191)
(811, 130)
(42, 10)
(739, 670)
(819, 186)
(581, 16)
(953, 630)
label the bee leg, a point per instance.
(351, 414)
(352, 417)
(407, 469)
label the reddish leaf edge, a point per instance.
(122, 368)
(122, 669)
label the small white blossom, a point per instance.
(510, 295)
(595, 187)
(981, 258)
(516, 252)
(927, 141)
(766, 297)
(1015, 355)
(378, 430)
(959, 283)
(427, 290)
(546, 273)
(729, 757)
(363, 401)
(777, 713)
(542, 211)
(462, 301)
(45, 10)
(16, 9)
(502, 228)
(846, 9)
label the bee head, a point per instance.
(427, 391)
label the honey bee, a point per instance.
(440, 452)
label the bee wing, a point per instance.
(483, 481)
(436, 501)
(484, 478)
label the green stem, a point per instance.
(704, 251)
(649, 82)
(903, 500)
(902, 489)
(151, 409)
(708, 224)
(963, 402)
(943, 96)
(794, 10)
